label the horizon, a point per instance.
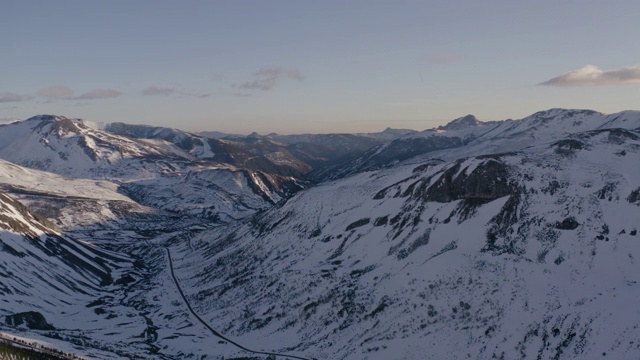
(100, 124)
(315, 67)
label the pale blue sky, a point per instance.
(315, 66)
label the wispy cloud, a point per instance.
(98, 94)
(267, 78)
(166, 91)
(444, 59)
(592, 75)
(7, 97)
(155, 91)
(55, 92)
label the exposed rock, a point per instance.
(634, 197)
(357, 224)
(488, 181)
(31, 319)
(567, 146)
(567, 224)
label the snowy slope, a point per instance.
(515, 256)
(68, 147)
(46, 272)
(70, 203)
(252, 152)
(519, 243)
(183, 142)
(153, 173)
(467, 136)
(79, 296)
(218, 192)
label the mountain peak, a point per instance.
(461, 123)
(564, 113)
(48, 117)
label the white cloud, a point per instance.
(268, 77)
(55, 92)
(591, 75)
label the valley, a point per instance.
(514, 239)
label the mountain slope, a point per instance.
(153, 175)
(467, 136)
(523, 255)
(46, 272)
(253, 153)
(519, 243)
(80, 297)
(69, 147)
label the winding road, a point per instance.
(214, 331)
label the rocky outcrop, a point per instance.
(488, 181)
(31, 319)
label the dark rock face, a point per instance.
(568, 146)
(488, 181)
(634, 197)
(357, 224)
(567, 224)
(31, 319)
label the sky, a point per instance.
(315, 66)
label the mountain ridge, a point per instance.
(514, 239)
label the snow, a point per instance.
(365, 267)
(508, 294)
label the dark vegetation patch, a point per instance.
(501, 237)
(567, 146)
(380, 308)
(634, 197)
(359, 272)
(315, 233)
(125, 280)
(607, 192)
(9, 350)
(357, 224)
(420, 241)
(449, 247)
(381, 221)
(569, 223)
(8, 249)
(553, 187)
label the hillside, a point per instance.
(514, 239)
(151, 174)
(521, 255)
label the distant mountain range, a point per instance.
(514, 239)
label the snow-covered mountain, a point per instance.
(467, 136)
(513, 239)
(524, 255)
(284, 155)
(102, 292)
(47, 278)
(69, 147)
(253, 152)
(152, 174)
